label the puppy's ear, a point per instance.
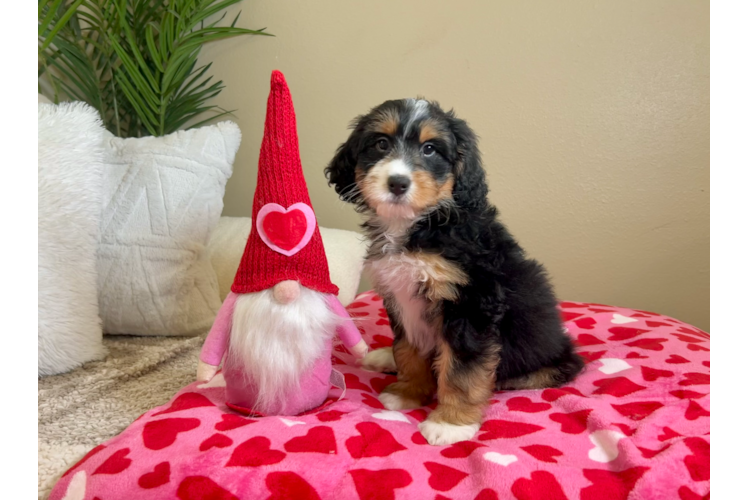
(470, 189)
(341, 172)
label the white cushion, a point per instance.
(70, 178)
(345, 251)
(163, 197)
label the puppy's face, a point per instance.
(402, 159)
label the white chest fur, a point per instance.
(400, 275)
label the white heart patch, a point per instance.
(291, 423)
(606, 446)
(394, 416)
(613, 365)
(498, 458)
(217, 381)
(76, 487)
(619, 319)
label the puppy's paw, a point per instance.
(443, 434)
(379, 360)
(396, 402)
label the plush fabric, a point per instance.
(345, 252)
(634, 425)
(163, 197)
(70, 177)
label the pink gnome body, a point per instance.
(274, 331)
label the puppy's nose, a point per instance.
(398, 184)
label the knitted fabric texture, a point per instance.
(280, 180)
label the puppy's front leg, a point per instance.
(415, 384)
(463, 388)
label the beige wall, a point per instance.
(594, 119)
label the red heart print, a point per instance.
(616, 386)
(626, 429)
(368, 400)
(285, 230)
(667, 433)
(378, 384)
(289, 486)
(601, 309)
(552, 395)
(216, 440)
(159, 434)
(705, 363)
(418, 414)
(638, 410)
(675, 359)
(461, 449)
(696, 347)
(624, 333)
(186, 401)
(255, 452)
(320, 439)
(543, 453)
(379, 341)
(695, 411)
(697, 463)
(655, 324)
(685, 493)
(158, 477)
(687, 338)
(379, 484)
(487, 494)
(443, 477)
(116, 463)
(330, 415)
(572, 305)
(85, 457)
(418, 438)
(686, 394)
(506, 429)
(648, 344)
(585, 339)
(693, 378)
(542, 485)
(589, 357)
(567, 316)
(635, 355)
(230, 421)
(382, 312)
(691, 331)
(374, 441)
(526, 405)
(383, 322)
(610, 485)
(647, 453)
(652, 374)
(352, 382)
(572, 423)
(586, 323)
(202, 488)
(357, 304)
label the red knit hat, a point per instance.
(285, 243)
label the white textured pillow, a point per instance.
(70, 177)
(345, 251)
(162, 198)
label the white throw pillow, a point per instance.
(162, 198)
(70, 178)
(345, 251)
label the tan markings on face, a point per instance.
(428, 131)
(372, 183)
(541, 379)
(463, 393)
(386, 122)
(415, 379)
(427, 191)
(439, 277)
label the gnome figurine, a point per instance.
(274, 330)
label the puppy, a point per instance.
(469, 311)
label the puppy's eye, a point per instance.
(428, 150)
(383, 145)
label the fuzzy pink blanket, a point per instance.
(634, 425)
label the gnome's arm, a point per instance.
(346, 330)
(217, 341)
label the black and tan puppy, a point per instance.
(470, 312)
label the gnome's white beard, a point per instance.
(276, 343)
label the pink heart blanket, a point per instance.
(634, 425)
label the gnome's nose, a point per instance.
(286, 292)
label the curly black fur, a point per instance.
(509, 300)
